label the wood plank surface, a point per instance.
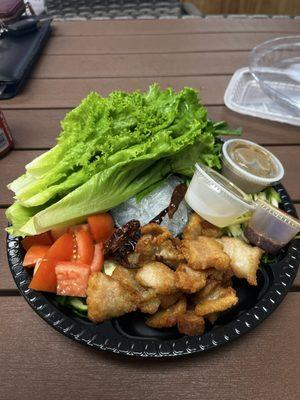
(263, 364)
(37, 129)
(139, 65)
(177, 43)
(170, 27)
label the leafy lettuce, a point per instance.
(110, 149)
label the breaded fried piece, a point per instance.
(190, 324)
(168, 253)
(212, 317)
(155, 230)
(219, 299)
(149, 302)
(157, 276)
(167, 318)
(108, 298)
(189, 280)
(224, 277)
(205, 252)
(167, 300)
(197, 226)
(244, 258)
(203, 293)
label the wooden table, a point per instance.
(36, 361)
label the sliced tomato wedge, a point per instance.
(62, 248)
(98, 259)
(77, 228)
(44, 278)
(101, 226)
(34, 254)
(85, 247)
(58, 232)
(72, 278)
(44, 239)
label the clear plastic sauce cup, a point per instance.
(250, 166)
(215, 198)
(270, 228)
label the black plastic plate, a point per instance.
(128, 335)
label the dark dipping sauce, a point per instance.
(265, 243)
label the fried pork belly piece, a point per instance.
(224, 277)
(157, 276)
(205, 292)
(167, 318)
(190, 324)
(244, 258)
(149, 302)
(189, 280)
(199, 227)
(156, 244)
(205, 252)
(220, 299)
(108, 298)
(167, 300)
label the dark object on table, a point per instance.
(128, 335)
(6, 140)
(20, 48)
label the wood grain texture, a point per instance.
(177, 43)
(139, 65)
(170, 27)
(37, 129)
(264, 363)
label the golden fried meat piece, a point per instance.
(219, 299)
(167, 300)
(205, 252)
(151, 306)
(108, 298)
(189, 280)
(212, 317)
(167, 318)
(155, 230)
(126, 277)
(190, 324)
(197, 226)
(203, 293)
(244, 258)
(224, 277)
(157, 276)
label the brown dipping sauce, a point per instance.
(265, 243)
(252, 159)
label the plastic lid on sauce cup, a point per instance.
(215, 198)
(242, 171)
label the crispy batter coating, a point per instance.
(205, 252)
(167, 318)
(167, 300)
(108, 298)
(189, 280)
(157, 244)
(197, 226)
(203, 293)
(212, 317)
(219, 299)
(224, 277)
(157, 276)
(151, 306)
(190, 324)
(244, 258)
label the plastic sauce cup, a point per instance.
(250, 166)
(270, 228)
(215, 198)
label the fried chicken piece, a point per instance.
(157, 244)
(149, 302)
(167, 318)
(224, 277)
(205, 252)
(244, 258)
(189, 280)
(199, 227)
(108, 298)
(167, 300)
(220, 299)
(203, 293)
(158, 276)
(190, 324)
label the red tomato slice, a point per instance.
(58, 232)
(43, 239)
(98, 259)
(77, 228)
(85, 247)
(101, 226)
(34, 254)
(72, 278)
(62, 248)
(44, 278)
